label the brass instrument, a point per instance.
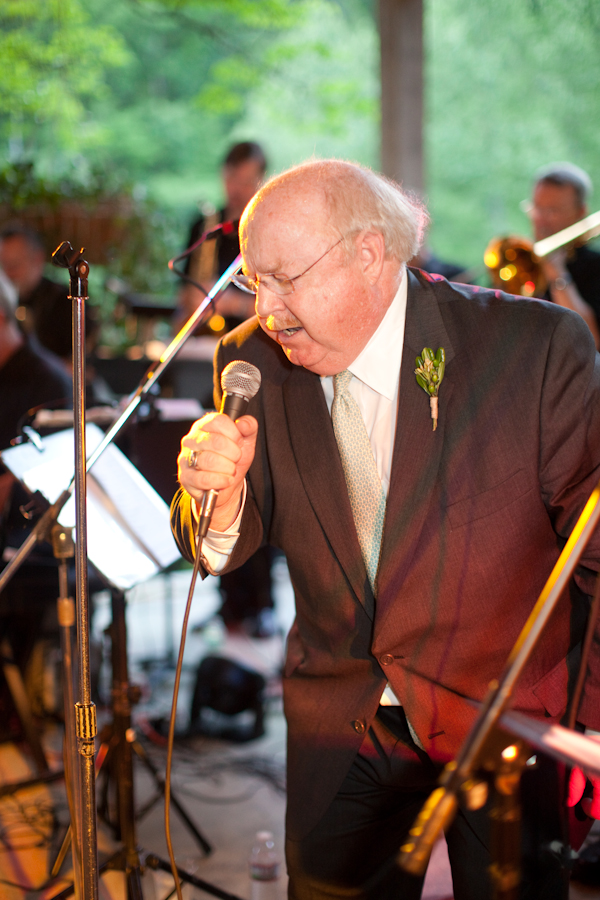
(514, 263)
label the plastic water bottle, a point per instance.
(264, 864)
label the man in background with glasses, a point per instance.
(417, 547)
(560, 198)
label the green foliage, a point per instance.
(148, 94)
(322, 94)
(21, 187)
(201, 75)
(231, 80)
(171, 107)
(53, 61)
(266, 14)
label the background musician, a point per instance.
(559, 199)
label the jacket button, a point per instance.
(359, 726)
(386, 659)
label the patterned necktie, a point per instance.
(367, 497)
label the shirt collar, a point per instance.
(378, 364)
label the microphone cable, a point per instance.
(240, 382)
(172, 720)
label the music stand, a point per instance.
(129, 536)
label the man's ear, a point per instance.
(371, 254)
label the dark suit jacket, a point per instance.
(477, 514)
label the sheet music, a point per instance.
(129, 536)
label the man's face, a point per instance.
(329, 317)
(554, 207)
(23, 264)
(241, 182)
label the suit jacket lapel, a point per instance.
(317, 458)
(416, 455)
(417, 448)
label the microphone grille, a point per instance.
(240, 377)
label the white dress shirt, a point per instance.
(376, 381)
(375, 388)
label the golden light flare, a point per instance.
(507, 272)
(216, 323)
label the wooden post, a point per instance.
(401, 37)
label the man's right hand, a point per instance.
(224, 451)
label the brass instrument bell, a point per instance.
(514, 262)
(514, 267)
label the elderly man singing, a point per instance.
(418, 535)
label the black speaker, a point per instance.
(223, 693)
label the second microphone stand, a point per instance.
(458, 778)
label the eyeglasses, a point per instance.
(279, 284)
(531, 209)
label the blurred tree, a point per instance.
(203, 74)
(322, 94)
(53, 63)
(150, 93)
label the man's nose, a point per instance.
(267, 302)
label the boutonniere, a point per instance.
(429, 374)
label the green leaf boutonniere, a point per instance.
(429, 374)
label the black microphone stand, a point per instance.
(85, 710)
(458, 777)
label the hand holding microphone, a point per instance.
(218, 450)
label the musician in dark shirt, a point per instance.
(560, 198)
(29, 376)
(242, 172)
(246, 592)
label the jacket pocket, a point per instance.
(294, 655)
(481, 505)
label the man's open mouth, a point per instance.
(290, 331)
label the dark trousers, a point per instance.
(352, 851)
(247, 590)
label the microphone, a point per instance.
(240, 381)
